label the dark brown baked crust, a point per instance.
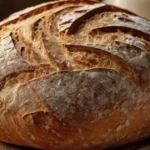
(5, 146)
(74, 75)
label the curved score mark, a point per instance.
(103, 8)
(116, 28)
(124, 68)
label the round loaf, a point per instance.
(74, 75)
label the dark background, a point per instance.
(141, 7)
(8, 7)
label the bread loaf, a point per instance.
(75, 75)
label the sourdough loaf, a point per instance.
(74, 75)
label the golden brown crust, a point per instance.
(74, 75)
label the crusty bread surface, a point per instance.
(74, 75)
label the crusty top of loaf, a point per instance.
(63, 45)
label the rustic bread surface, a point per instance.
(74, 75)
